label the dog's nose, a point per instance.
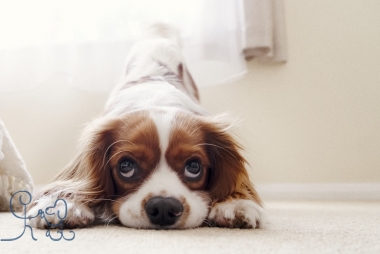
(163, 211)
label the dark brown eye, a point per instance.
(192, 169)
(127, 168)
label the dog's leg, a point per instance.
(236, 213)
(59, 207)
(241, 209)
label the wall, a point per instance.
(315, 119)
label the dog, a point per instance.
(154, 159)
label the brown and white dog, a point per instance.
(155, 158)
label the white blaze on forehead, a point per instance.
(164, 122)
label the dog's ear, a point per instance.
(87, 176)
(228, 176)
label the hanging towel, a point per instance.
(264, 30)
(13, 173)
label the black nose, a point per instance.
(163, 211)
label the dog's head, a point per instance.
(161, 168)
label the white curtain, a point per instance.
(85, 42)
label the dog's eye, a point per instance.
(192, 169)
(127, 168)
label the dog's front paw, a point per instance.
(57, 213)
(236, 213)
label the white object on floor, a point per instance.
(13, 173)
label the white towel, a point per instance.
(13, 173)
(264, 30)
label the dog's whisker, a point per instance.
(123, 151)
(110, 219)
(117, 141)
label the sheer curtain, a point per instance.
(86, 41)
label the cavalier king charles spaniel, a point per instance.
(154, 159)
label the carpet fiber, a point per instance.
(292, 227)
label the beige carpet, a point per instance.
(293, 227)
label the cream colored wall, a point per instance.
(314, 119)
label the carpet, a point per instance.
(292, 227)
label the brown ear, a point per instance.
(228, 175)
(87, 173)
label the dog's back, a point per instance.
(155, 70)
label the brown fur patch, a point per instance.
(185, 144)
(137, 140)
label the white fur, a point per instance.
(153, 94)
(229, 211)
(77, 215)
(163, 122)
(144, 61)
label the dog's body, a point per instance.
(155, 158)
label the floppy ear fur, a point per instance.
(86, 178)
(229, 177)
